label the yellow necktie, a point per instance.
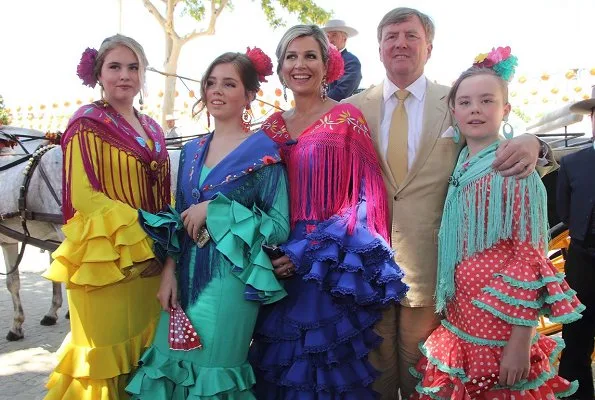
(397, 140)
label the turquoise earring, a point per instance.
(457, 135)
(507, 130)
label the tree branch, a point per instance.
(153, 10)
(210, 30)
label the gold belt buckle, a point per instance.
(203, 237)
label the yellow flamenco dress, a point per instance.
(113, 309)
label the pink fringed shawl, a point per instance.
(98, 125)
(332, 167)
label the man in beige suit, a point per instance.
(417, 194)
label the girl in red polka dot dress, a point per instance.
(494, 278)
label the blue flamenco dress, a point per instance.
(314, 344)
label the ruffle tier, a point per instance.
(96, 373)
(238, 233)
(314, 344)
(99, 249)
(458, 366)
(519, 296)
(168, 378)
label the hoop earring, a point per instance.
(507, 130)
(324, 89)
(457, 134)
(284, 90)
(208, 121)
(247, 119)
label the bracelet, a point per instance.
(203, 237)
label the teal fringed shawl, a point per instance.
(479, 212)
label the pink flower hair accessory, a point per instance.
(335, 65)
(262, 63)
(86, 67)
(500, 60)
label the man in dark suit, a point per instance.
(576, 207)
(337, 33)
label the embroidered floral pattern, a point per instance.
(255, 166)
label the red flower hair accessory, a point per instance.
(262, 63)
(85, 69)
(335, 65)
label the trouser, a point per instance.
(402, 329)
(575, 363)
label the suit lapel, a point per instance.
(434, 112)
(372, 109)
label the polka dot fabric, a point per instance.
(511, 283)
(182, 335)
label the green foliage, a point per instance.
(307, 11)
(4, 115)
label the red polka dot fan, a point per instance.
(182, 335)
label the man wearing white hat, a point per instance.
(337, 32)
(172, 133)
(575, 201)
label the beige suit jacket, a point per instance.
(417, 204)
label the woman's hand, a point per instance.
(195, 218)
(283, 267)
(517, 156)
(516, 357)
(168, 290)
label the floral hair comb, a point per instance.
(262, 63)
(499, 60)
(336, 65)
(85, 69)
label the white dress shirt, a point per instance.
(414, 105)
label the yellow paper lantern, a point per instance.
(191, 94)
(186, 105)
(260, 93)
(176, 94)
(160, 94)
(260, 104)
(18, 108)
(30, 107)
(578, 89)
(570, 74)
(66, 104)
(544, 100)
(513, 94)
(545, 77)
(55, 105)
(277, 104)
(42, 107)
(565, 98)
(79, 102)
(534, 92)
(278, 92)
(262, 111)
(592, 71)
(586, 97)
(554, 90)
(522, 79)
(526, 101)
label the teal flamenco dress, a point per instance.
(223, 284)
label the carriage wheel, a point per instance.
(558, 249)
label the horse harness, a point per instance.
(24, 213)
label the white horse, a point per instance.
(40, 199)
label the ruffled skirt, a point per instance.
(314, 344)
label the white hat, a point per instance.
(585, 106)
(339, 25)
(170, 117)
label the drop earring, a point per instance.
(247, 118)
(507, 130)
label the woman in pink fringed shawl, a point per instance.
(338, 266)
(114, 163)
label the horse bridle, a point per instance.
(25, 214)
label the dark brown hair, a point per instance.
(474, 71)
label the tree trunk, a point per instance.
(173, 47)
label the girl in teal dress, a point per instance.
(231, 199)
